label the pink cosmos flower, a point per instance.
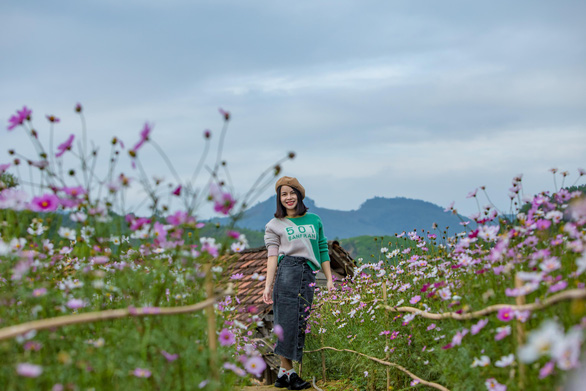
(415, 299)
(75, 304)
(160, 231)
(66, 146)
(170, 357)
(546, 370)
(141, 372)
(505, 314)
(502, 332)
(475, 329)
(558, 286)
(431, 327)
(278, 330)
(39, 292)
(53, 119)
(472, 194)
(4, 167)
(100, 260)
(224, 113)
(226, 337)
(29, 370)
(32, 345)
(522, 316)
(45, 203)
(255, 365)
(234, 368)
(144, 136)
(74, 192)
(457, 339)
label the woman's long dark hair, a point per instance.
(300, 209)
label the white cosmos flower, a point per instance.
(17, 244)
(78, 217)
(581, 263)
(567, 351)
(66, 233)
(541, 341)
(483, 361)
(505, 361)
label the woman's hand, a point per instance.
(330, 285)
(266, 295)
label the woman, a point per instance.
(295, 241)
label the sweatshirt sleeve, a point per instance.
(272, 240)
(324, 252)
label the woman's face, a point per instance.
(288, 199)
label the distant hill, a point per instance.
(376, 216)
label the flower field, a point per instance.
(500, 307)
(94, 296)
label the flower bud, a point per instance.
(291, 155)
(78, 108)
(132, 153)
(207, 134)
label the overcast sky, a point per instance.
(418, 99)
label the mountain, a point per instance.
(376, 216)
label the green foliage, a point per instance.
(7, 181)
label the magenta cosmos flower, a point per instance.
(66, 146)
(144, 136)
(223, 201)
(505, 314)
(19, 118)
(180, 217)
(45, 203)
(226, 337)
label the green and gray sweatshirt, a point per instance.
(301, 236)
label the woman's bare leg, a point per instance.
(286, 363)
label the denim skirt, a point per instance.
(292, 298)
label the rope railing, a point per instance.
(386, 363)
(97, 316)
(567, 295)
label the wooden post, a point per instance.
(211, 316)
(520, 300)
(323, 361)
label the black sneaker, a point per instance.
(297, 383)
(282, 381)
